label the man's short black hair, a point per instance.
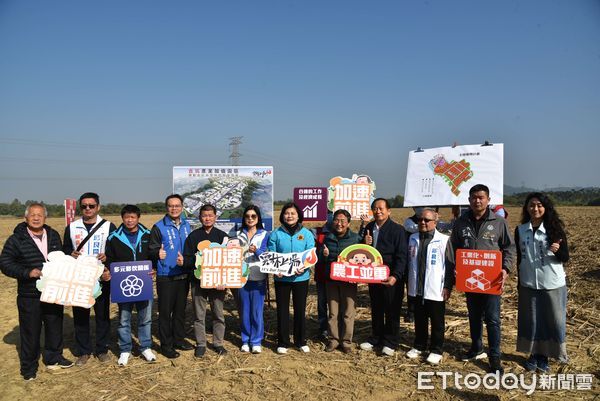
(92, 195)
(206, 208)
(173, 196)
(387, 203)
(344, 212)
(130, 209)
(479, 188)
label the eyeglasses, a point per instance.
(251, 216)
(425, 220)
(174, 206)
(342, 221)
(90, 206)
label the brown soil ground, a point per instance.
(318, 375)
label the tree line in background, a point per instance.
(575, 197)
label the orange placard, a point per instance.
(220, 265)
(479, 271)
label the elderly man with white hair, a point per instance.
(22, 258)
(430, 282)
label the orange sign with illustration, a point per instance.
(220, 265)
(479, 271)
(352, 194)
(359, 263)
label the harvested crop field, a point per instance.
(318, 375)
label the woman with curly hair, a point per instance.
(541, 251)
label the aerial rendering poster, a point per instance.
(229, 188)
(443, 176)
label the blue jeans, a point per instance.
(144, 312)
(484, 307)
(252, 299)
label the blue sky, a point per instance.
(108, 96)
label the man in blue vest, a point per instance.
(172, 279)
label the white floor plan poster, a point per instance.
(443, 176)
(229, 188)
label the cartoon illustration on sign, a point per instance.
(359, 263)
(352, 194)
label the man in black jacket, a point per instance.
(389, 238)
(200, 296)
(22, 258)
(127, 244)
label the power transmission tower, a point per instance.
(234, 156)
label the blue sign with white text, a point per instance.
(131, 281)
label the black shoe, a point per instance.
(473, 355)
(496, 365)
(184, 346)
(63, 363)
(29, 377)
(220, 350)
(199, 352)
(169, 353)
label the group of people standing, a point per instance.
(424, 260)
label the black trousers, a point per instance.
(172, 297)
(299, 292)
(81, 319)
(386, 304)
(32, 314)
(429, 311)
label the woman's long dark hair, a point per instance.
(259, 223)
(555, 228)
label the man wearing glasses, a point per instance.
(430, 281)
(87, 236)
(167, 238)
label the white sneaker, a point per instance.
(413, 353)
(256, 349)
(124, 358)
(305, 349)
(434, 359)
(149, 355)
(282, 350)
(245, 348)
(366, 346)
(388, 351)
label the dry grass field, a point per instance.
(318, 375)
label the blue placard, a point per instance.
(131, 281)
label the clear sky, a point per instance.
(108, 96)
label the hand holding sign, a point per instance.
(35, 273)
(162, 254)
(389, 282)
(554, 247)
